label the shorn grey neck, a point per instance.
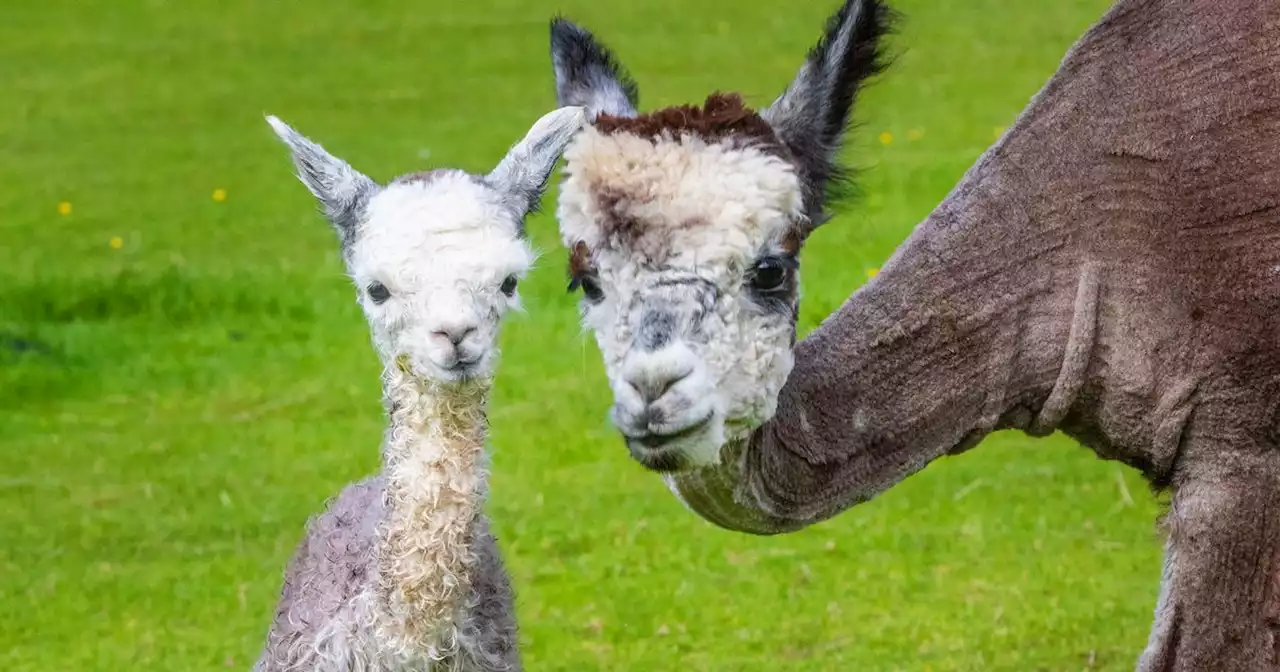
(1094, 268)
(952, 340)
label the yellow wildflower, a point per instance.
(219, 195)
(64, 208)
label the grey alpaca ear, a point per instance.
(522, 174)
(588, 74)
(811, 116)
(343, 191)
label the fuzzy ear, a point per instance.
(588, 74)
(811, 116)
(342, 191)
(522, 174)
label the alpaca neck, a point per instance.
(433, 461)
(960, 334)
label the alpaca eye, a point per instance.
(378, 292)
(590, 287)
(509, 285)
(769, 276)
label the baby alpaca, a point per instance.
(401, 571)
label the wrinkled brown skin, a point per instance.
(1110, 269)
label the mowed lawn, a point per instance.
(185, 377)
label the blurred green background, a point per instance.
(185, 376)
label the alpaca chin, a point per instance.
(706, 451)
(697, 449)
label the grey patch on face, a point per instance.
(588, 74)
(343, 192)
(521, 177)
(656, 330)
(677, 307)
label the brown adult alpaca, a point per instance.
(1110, 269)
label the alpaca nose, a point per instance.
(652, 382)
(454, 333)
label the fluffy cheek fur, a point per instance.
(751, 359)
(687, 208)
(743, 351)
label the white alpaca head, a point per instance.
(436, 257)
(684, 227)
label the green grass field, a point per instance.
(184, 379)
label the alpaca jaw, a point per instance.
(681, 428)
(669, 232)
(713, 378)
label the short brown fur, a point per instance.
(724, 116)
(579, 261)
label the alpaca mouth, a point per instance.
(664, 452)
(657, 441)
(463, 370)
(460, 371)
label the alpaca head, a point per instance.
(436, 256)
(684, 227)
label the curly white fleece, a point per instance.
(703, 209)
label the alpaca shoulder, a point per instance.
(331, 564)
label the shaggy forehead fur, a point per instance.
(679, 186)
(437, 224)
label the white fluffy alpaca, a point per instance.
(400, 572)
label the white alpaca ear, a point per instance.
(343, 191)
(588, 74)
(522, 174)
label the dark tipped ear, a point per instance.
(811, 116)
(588, 74)
(342, 191)
(522, 174)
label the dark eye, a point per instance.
(590, 287)
(509, 285)
(770, 276)
(378, 292)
